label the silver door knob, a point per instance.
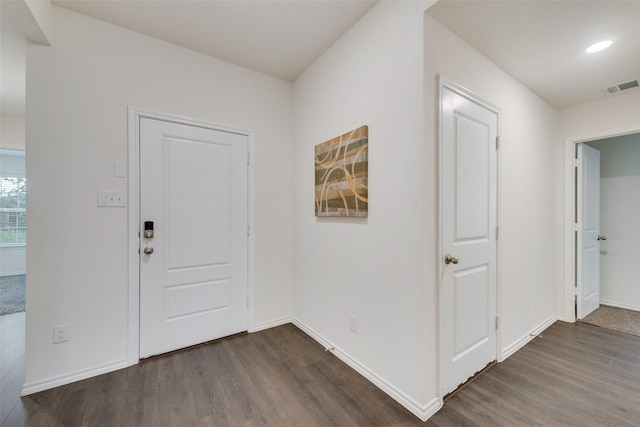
(448, 259)
(602, 237)
(148, 250)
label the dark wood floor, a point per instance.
(575, 375)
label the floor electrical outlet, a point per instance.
(60, 333)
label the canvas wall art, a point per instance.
(342, 170)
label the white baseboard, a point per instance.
(431, 408)
(77, 376)
(518, 344)
(71, 378)
(272, 323)
(561, 318)
(421, 411)
(619, 305)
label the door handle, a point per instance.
(148, 250)
(448, 259)
(602, 237)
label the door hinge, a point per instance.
(497, 322)
(248, 157)
(497, 142)
(497, 232)
(248, 230)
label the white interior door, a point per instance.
(193, 187)
(588, 244)
(469, 228)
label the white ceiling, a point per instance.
(279, 38)
(542, 43)
(539, 42)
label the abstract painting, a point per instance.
(342, 170)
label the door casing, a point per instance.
(134, 115)
(569, 276)
(442, 83)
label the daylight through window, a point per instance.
(13, 216)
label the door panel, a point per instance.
(471, 186)
(196, 298)
(588, 256)
(193, 186)
(468, 223)
(472, 291)
(189, 162)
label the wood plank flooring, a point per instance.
(574, 375)
(11, 362)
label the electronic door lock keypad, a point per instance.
(148, 229)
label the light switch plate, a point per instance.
(119, 170)
(112, 198)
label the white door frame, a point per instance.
(445, 83)
(134, 115)
(569, 314)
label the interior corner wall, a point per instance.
(78, 91)
(371, 268)
(526, 266)
(41, 11)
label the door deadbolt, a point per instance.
(602, 237)
(448, 259)
(148, 229)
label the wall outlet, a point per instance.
(354, 325)
(60, 333)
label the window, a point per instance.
(13, 212)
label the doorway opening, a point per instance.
(572, 287)
(13, 233)
(468, 226)
(188, 288)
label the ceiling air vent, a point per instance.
(623, 86)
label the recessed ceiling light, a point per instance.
(597, 47)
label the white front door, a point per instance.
(193, 271)
(468, 226)
(588, 253)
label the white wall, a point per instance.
(609, 116)
(373, 268)
(611, 113)
(79, 91)
(22, 20)
(383, 269)
(12, 80)
(41, 12)
(620, 220)
(526, 206)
